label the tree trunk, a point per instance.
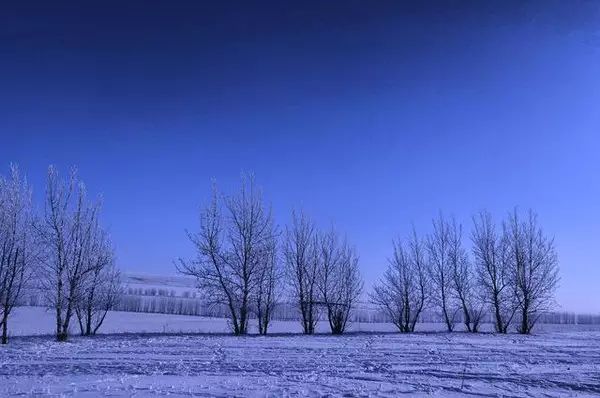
(60, 335)
(5, 329)
(525, 321)
(65, 326)
(265, 323)
(100, 322)
(499, 322)
(449, 324)
(243, 323)
(467, 315)
(58, 318)
(88, 324)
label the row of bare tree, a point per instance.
(63, 251)
(245, 263)
(512, 272)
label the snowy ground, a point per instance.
(552, 363)
(556, 364)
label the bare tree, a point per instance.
(101, 288)
(301, 265)
(339, 280)
(466, 288)
(230, 250)
(440, 270)
(420, 280)
(269, 278)
(67, 232)
(16, 244)
(402, 292)
(534, 268)
(490, 252)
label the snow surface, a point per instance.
(565, 362)
(440, 364)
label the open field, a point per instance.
(557, 364)
(563, 362)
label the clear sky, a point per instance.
(369, 114)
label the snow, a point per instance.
(563, 362)
(31, 321)
(558, 364)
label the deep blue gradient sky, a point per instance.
(370, 115)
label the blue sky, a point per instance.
(371, 117)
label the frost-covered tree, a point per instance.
(464, 282)
(269, 286)
(402, 292)
(441, 270)
(101, 289)
(67, 232)
(17, 247)
(534, 268)
(339, 280)
(300, 250)
(235, 232)
(490, 254)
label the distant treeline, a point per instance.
(164, 301)
(364, 312)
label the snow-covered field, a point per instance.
(31, 321)
(563, 362)
(556, 364)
